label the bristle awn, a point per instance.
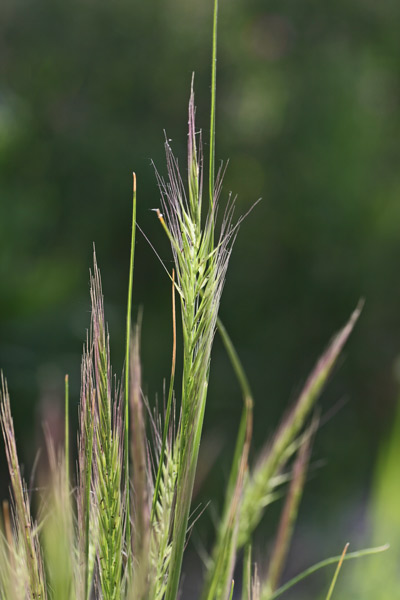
(326, 563)
(140, 478)
(289, 514)
(258, 486)
(66, 435)
(169, 405)
(127, 347)
(332, 586)
(85, 500)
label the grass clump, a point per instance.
(118, 530)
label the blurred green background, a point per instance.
(308, 115)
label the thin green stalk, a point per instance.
(127, 348)
(66, 441)
(248, 404)
(213, 98)
(325, 563)
(235, 360)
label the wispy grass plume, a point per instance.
(87, 523)
(108, 440)
(57, 528)
(14, 575)
(200, 268)
(26, 530)
(259, 485)
(289, 515)
(326, 563)
(118, 530)
(161, 537)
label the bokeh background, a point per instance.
(308, 115)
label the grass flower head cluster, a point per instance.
(118, 528)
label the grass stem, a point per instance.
(66, 441)
(213, 104)
(127, 363)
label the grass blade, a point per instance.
(289, 512)
(326, 563)
(127, 363)
(66, 435)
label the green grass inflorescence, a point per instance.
(118, 531)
